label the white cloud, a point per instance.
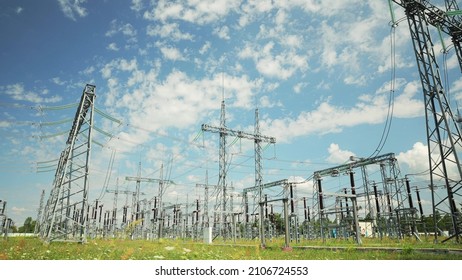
(337, 155)
(328, 118)
(222, 32)
(299, 86)
(178, 101)
(265, 102)
(4, 124)
(250, 10)
(18, 209)
(205, 47)
(195, 11)
(281, 65)
(89, 70)
(119, 65)
(416, 158)
(73, 8)
(18, 92)
(112, 47)
(58, 81)
(137, 5)
(171, 53)
(168, 30)
(125, 29)
(19, 10)
(417, 161)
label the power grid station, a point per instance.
(366, 197)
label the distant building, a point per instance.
(366, 229)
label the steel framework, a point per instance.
(223, 131)
(3, 218)
(443, 133)
(39, 213)
(65, 215)
(389, 215)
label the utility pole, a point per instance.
(223, 131)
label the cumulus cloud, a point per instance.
(171, 53)
(112, 47)
(168, 30)
(117, 27)
(330, 118)
(195, 11)
(416, 159)
(272, 63)
(73, 8)
(137, 5)
(177, 101)
(337, 155)
(222, 32)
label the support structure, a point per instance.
(259, 188)
(65, 215)
(39, 213)
(443, 134)
(3, 218)
(205, 211)
(223, 131)
(392, 217)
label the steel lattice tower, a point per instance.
(443, 134)
(65, 215)
(223, 132)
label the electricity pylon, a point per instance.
(65, 215)
(223, 132)
(443, 134)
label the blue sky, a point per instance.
(320, 73)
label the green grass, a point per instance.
(23, 248)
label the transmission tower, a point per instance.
(65, 212)
(443, 133)
(223, 132)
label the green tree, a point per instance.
(278, 221)
(28, 227)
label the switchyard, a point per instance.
(366, 197)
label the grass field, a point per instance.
(31, 248)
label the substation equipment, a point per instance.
(384, 204)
